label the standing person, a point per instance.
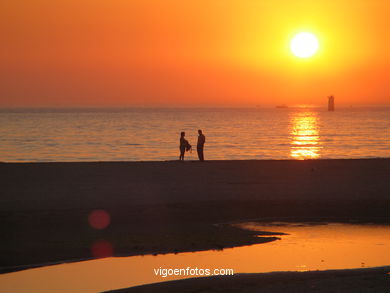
(184, 146)
(200, 145)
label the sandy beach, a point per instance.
(159, 207)
(358, 280)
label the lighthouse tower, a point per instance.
(331, 103)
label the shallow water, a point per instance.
(153, 134)
(307, 247)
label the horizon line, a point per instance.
(339, 105)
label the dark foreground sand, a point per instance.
(346, 281)
(159, 207)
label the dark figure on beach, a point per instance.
(184, 146)
(200, 145)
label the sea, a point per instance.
(152, 134)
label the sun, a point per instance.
(304, 45)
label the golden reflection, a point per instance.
(305, 136)
(304, 248)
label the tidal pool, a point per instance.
(306, 247)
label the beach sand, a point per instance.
(346, 281)
(159, 207)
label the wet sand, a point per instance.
(358, 280)
(159, 207)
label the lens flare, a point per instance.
(99, 219)
(102, 248)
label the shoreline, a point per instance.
(162, 207)
(254, 237)
(193, 161)
(260, 237)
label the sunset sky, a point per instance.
(191, 53)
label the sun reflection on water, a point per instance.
(305, 139)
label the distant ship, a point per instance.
(282, 106)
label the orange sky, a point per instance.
(191, 53)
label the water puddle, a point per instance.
(307, 247)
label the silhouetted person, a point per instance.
(184, 146)
(200, 145)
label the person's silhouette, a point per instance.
(184, 145)
(200, 145)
